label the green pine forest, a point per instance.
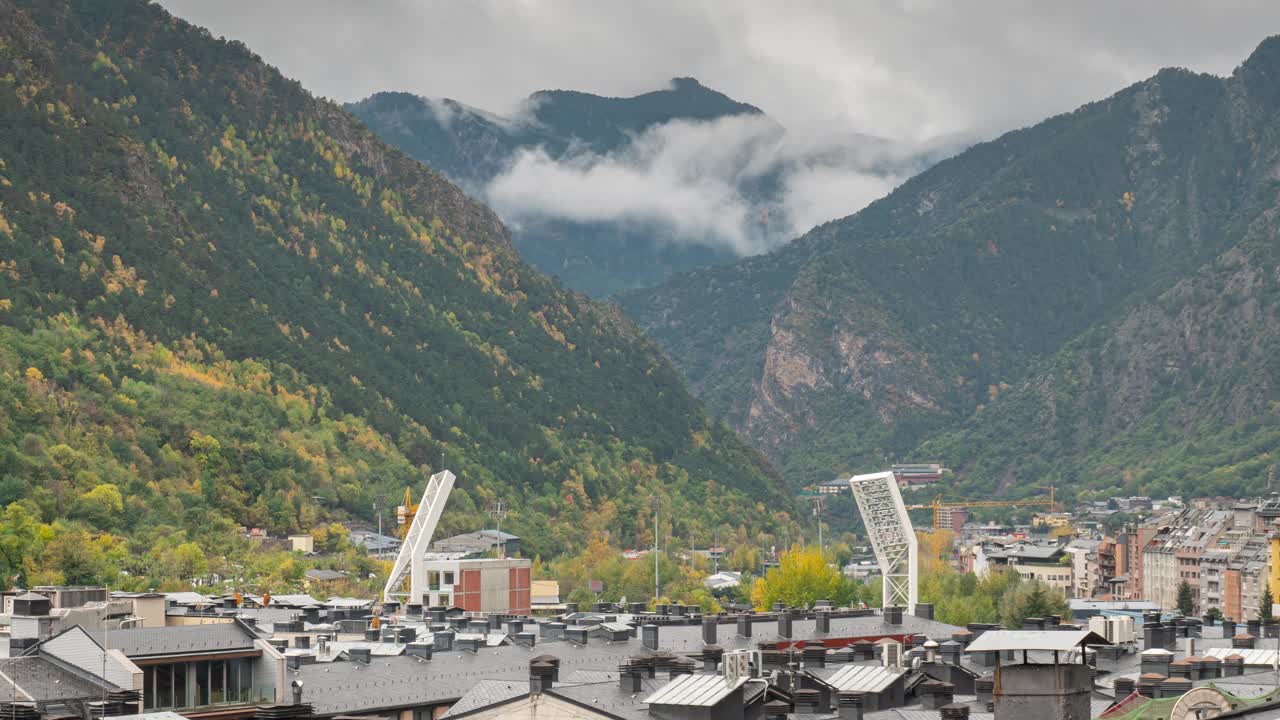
(225, 304)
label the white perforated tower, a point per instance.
(409, 563)
(892, 537)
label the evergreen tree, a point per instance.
(1031, 599)
(1185, 603)
(1264, 607)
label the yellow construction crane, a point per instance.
(937, 505)
(405, 512)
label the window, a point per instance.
(217, 682)
(448, 578)
(180, 697)
(202, 683)
(164, 686)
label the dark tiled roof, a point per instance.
(183, 640)
(395, 682)
(489, 692)
(42, 680)
(611, 699)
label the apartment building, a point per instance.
(1173, 555)
(1085, 576)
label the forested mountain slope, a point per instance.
(964, 305)
(180, 227)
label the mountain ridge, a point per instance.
(876, 333)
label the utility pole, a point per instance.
(819, 509)
(656, 593)
(498, 511)
(375, 512)
(715, 551)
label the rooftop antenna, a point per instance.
(497, 511)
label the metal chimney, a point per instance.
(709, 630)
(649, 636)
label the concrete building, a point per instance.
(480, 585)
(305, 544)
(544, 595)
(202, 670)
(1085, 578)
(1173, 555)
(1040, 562)
(478, 543)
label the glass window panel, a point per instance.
(233, 680)
(217, 682)
(202, 683)
(149, 688)
(164, 686)
(180, 698)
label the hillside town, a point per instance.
(1167, 616)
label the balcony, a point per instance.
(216, 698)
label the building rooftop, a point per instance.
(695, 690)
(38, 679)
(180, 640)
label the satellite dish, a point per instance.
(1200, 703)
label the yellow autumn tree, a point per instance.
(935, 547)
(802, 576)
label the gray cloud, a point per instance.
(908, 70)
(861, 88)
(702, 182)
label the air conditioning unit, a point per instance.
(892, 655)
(741, 663)
(1120, 630)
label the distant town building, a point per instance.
(478, 543)
(723, 580)
(480, 585)
(302, 543)
(375, 544)
(544, 594)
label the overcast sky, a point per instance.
(907, 70)
(920, 74)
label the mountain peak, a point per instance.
(1261, 72)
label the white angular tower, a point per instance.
(409, 563)
(892, 537)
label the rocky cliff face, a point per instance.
(1032, 298)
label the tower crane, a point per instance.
(937, 504)
(405, 512)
